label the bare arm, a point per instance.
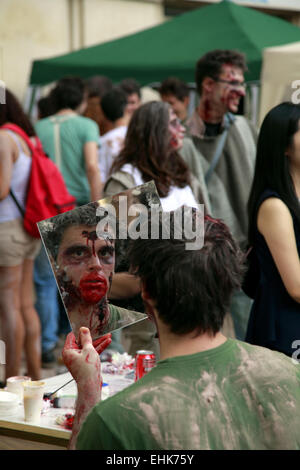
(275, 223)
(124, 286)
(92, 170)
(7, 157)
(84, 364)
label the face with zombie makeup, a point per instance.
(222, 94)
(84, 269)
(176, 130)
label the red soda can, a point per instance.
(144, 362)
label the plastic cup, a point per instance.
(15, 385)
(33, 400)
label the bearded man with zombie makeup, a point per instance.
(216, 130)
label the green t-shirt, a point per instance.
(74, 132)
(235, 396)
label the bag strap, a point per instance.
(228, 120)
(17, 130)
(56, 121)
(57, 149)
(21, 209)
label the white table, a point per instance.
(48, 431)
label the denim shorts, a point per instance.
(16, 244)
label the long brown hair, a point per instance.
(13, 112)
(147, 147)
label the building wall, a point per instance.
(38, 29)
(30, 29)
(111, 19)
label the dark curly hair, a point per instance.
(192, 288)
(175, 87)
(211, 63)
(69, 92)
(113, 104)
(130, 86)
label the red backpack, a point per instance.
(47, 194)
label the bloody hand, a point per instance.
(83, 361)
(101, 343)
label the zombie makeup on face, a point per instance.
(93, 287)
(90, 236)
(86, 266)
(232, 82)
(176, 130)
(206, 110)
(99, 318)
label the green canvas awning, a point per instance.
(173, 47)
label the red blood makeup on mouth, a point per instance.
(173, 142)
(93, 287)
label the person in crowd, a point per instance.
(113, 105)
(45, 107)
(46, 294)
(47, 307)
(274, 232)
(225, 146)
(207, 392)
(97, 86)
(177, 94)
(71, 140)
(20, 324)
(133, 93)
(150, 152)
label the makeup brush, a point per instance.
(49, 395)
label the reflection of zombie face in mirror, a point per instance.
(81, 247)
(84, 269)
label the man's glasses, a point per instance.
(233, 83)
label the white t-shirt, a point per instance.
(176, 198)
(111, 144)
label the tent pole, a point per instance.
(33, 93)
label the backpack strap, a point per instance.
(57, 149)
(21, 209)
(17, 130)
(15, 138)
(228, 120)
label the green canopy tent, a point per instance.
(173, 47)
